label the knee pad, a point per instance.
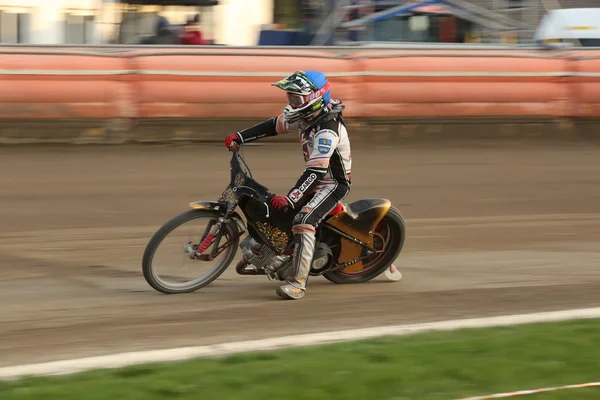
(300, 229)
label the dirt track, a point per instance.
(491, 230)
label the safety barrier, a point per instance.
(462, 84)
(585, 83)
(222, 83)
(64, 84)
(153, 93)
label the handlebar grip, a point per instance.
(269, 196)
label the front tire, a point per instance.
(231, 235)
(391, 224)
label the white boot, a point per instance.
(294, 287)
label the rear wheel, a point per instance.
(388, 239)
(188, 230)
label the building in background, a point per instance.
(243, 22)
(48, 21)
(80, 22)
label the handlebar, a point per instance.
(235, 147)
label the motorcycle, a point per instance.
(355, 243)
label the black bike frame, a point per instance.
(249, 188)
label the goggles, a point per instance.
(298, 100)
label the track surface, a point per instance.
(491, 230)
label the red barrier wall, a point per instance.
(231, 83)
(63, 84)
(222, 84)
(585, 85)
(461, 83)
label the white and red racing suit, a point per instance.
(325, 181)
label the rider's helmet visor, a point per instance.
(295, 100)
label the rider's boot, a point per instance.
(294, 287)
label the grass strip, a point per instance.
(439, 365)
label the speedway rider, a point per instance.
(326, 178)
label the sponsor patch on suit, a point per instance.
(324, 145)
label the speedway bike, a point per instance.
(355, 243)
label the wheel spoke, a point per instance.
(189, 273)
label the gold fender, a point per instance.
(358, 219)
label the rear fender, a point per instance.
(360, 225)
(360, 218)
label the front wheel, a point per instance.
(388, 239)
(183, 233)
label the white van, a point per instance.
(578, 26)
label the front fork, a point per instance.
(212, 235)
(207, 241)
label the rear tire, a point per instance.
(393, 221)
(155, 282)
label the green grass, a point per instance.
(443, 365)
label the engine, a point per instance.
(260, 255)
(263, 258)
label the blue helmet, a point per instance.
(307, 92)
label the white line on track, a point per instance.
(184, 353)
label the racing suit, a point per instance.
(325, 182)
